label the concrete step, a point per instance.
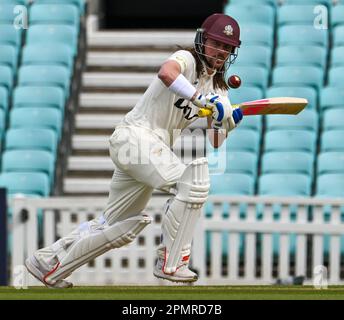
(136, 39)
(117, 79)
(116, 101)
(119, 59)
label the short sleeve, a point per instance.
(184, 59)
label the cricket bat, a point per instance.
(281, 105)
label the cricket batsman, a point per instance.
(140, 148)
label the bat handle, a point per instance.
(205, 112)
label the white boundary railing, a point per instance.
(234, 245)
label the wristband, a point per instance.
(182, 87)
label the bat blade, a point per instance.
(281, 105)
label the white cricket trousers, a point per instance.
(143, 162)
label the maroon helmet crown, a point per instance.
(222, 28)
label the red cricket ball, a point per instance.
(234, 81)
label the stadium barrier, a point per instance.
(243, 240)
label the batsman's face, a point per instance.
(216, 52)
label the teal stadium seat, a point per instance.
(290, 140)
(47, 34)
(51, 97)
(305, 120)
(232, 184)
(337, 56)
(284, 184)
(272, 3)
(242, 162)
(333, 119)
(31, 138)
(298, 75)
(337, 15)
(54, 14)
(332, 141)
(32, 183)
(338, 36)
(295, 91)
(6, 77)
(3, 98)
(8, 56)
(288, 162)
(22, 2)
(303, 2)
(50, 54)
(307, 35)
(251, 76)
(45, 75)
(10, 36)
(243, 140)
(29, 161)
(330, 185)
(80, 4)
(330, 162)
(248, 13)
(259, 56)
(336, 76)
(2, 124)
(291, 14)
(37, 118)
(331, 97)
(301, 56)
(6, 13)
(256, 34)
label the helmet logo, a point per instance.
(228, 30)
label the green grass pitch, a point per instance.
(175, 293)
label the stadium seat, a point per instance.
(6, 77)
(256, 34)
(296, 91)
(245, 13)
(252, 123)
(330, 185)
(291, 14)
(331, 97)
(259, 56)
(337, 15)
(47, 34)
(8, 56)
(54, 54)
(6, 13)
(272, 3)
(29, 161)
(22, 2)
(338, 36)
(36, 118)
(290, 140)
(2, 124)
(31, 138)
(52, 97)
(288, 162)
(298, 75)
(299, 55)
(243, 140)
(80, 4)
(54, 14)
(3, 98)
(244, 93)
(332, 141)
(232, 184)
(305, 120)
(337, 56)
(307, 2)
(10, 36)
(33, 183)
(306, 35)
(251, 76)
(45, 75)
(333, 119)
(283, 184)
(336, 76)
(330, 162)
(242, 162)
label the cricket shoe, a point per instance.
(40, 273)
(182, 274)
